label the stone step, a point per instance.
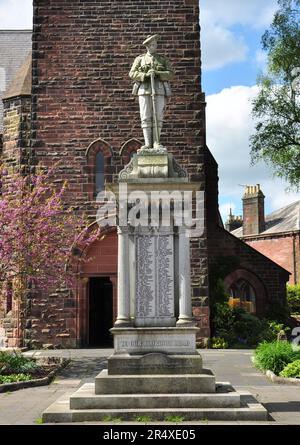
(85, 398)
(155, 384)
(60, 412)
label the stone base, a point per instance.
(152, 163)
(155, 384)
(224, 405)
(154, 363)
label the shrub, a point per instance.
(15, 363)
(14, 378)
(279, 311)
(291, 370)
(293, 298)
(275, 356)
(239, 328)
(219, 343)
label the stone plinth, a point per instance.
(155, 363)
(145, 340)
(204, 383)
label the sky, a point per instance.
(232, 58)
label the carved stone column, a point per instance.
(184, 279)
(123, 318)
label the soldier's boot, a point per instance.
(147, 137)
(158, 144)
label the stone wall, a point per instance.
(283, 249)
(270, 278)
(82, 54)
(16, 132)
(15, 157)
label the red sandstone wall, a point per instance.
(82, 54)
(221, 244)
(14, 156)
(273, 279)
(279, 250)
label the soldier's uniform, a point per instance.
(142, 89)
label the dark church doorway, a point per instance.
(100, 312)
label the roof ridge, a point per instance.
(15, 30)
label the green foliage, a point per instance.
(239, 328)
(291, 370)
(14, 378)
(218, 272)
(14, 363)
(277, 108)
(218, 297)
(143, 419)
(39, 421)
(293, 298)
(279, 311)
(175, 419)
(218, 343)
(112, 419)
(274, 356)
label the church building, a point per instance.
(71, 101)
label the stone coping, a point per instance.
(5, 387)
(156, 185)
(281, 380)
(165, 330)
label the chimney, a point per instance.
(233, 222)
(253, 210)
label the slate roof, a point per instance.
(21, 83)
(14, 47)
(286, 219)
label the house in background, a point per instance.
(276, 235)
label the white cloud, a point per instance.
(220, 47)
(254, 13)
(229, 125)
(15, 14)
(221, 44)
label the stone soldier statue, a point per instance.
(151, 73)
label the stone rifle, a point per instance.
(155, 129)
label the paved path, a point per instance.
(25, 407)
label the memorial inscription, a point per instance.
(155, 276)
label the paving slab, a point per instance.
(25, 407)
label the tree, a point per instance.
(276, 109)
(37, 233)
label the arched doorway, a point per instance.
(98, 292)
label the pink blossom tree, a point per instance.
(38, 234)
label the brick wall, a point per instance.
(221, 244)
(284, 250)
(253, 214)
(82, 54)
(272, 277)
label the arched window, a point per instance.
(99, 182)
(99, 167)
(242, 295)
(129, 149)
